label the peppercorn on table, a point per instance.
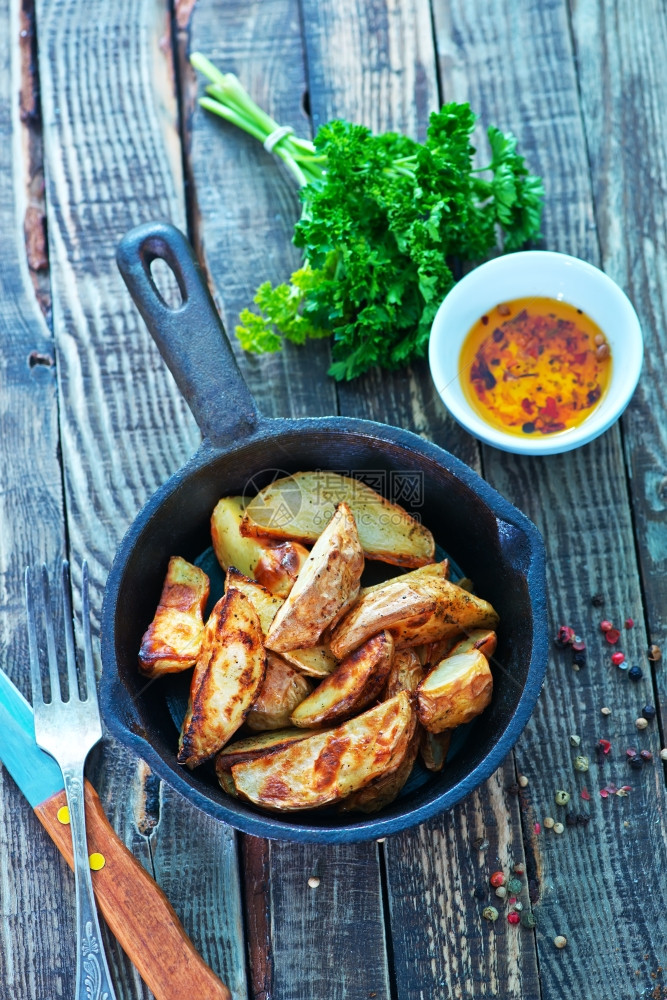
(549, 880)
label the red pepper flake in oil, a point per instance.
(547, 365)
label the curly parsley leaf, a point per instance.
(379, 229)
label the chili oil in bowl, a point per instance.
(536, 352)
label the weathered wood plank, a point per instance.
(36, 932)
(580, 501)
(390, 83)
(375, 64)
(245, 212)
(245, 204)
(113, 159)
(623, 122)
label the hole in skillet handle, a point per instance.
(166, 283)
(190, 335)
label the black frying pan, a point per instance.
(490, 539)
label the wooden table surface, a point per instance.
(100, 131)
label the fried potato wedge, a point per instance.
(282, 690)
(387, 531)
(257, 745)
(226, 679)
(383, 790)
(318, 661)
(328, 580)
(383, 608)
(326, 767)
(406, 673)
(173, 640)
(434, 748)
(456, 610)
(264, 602)
(279, 566)
(354, 684)
(275, 566)
(439, 570)
(483, 639)
(455, 691)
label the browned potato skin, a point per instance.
(279, 567)
(328, 580)
(406, 673)
(483, 639)
(382, 608)
(316, 661)
(409, 545)
(325, 767)
(258, 745)
(434, 748)
(264, 602)
(173, 640)
(282, 690)
(226, 679)
(386, 788)
(456, 611)
(444, 702)
(439, 570)
(355, 683)
(275, 566)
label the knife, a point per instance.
(135, 908)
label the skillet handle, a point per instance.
(190, 337)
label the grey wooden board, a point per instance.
(36, 932)
(245, 211)
(112, 156)
(580, 502)
(623, 123)
(389, 61)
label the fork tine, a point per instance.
(72, 678)
(35, 672)
(91, 686)
(54, 678)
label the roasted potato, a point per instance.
(382, 608)
(326, 767)
(264, 602)
(227, 676)
(257, 745)
(387, 531)
(405, 674)
(383, 790)
(483, 639)
(318, 661)
(328, 580)
(276, 567)
(434, 748)
(354, 684)
(282, 690)
(439, 570)
(314, 662)
(173, 640)
(455, 691)
(456, 610)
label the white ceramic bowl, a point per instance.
(553, 275)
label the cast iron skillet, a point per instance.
(490, 539)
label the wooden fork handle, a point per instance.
(135, 908)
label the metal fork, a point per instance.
(68, 730)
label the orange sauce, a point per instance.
(534, 366)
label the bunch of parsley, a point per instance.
(383, 219)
